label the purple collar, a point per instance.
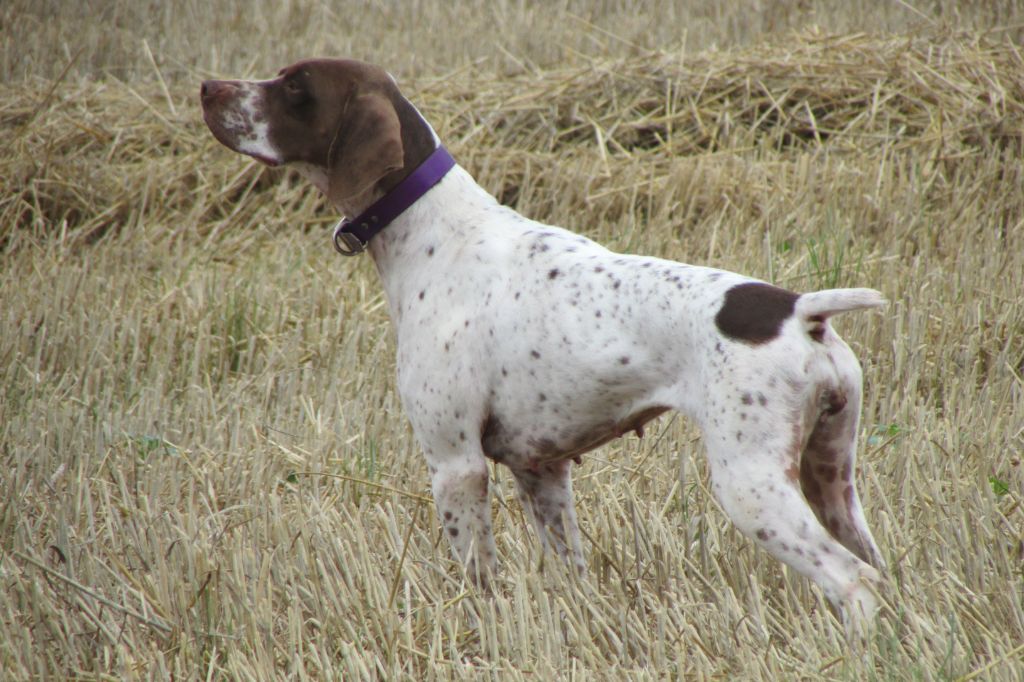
(352, 236)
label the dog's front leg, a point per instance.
(545, 491)
(460, 484)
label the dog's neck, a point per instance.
(419, 241)
(351, 235)
(438, 220)
(428, 238)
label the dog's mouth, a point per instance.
(265, 160)
(235, 129)
(236, 140)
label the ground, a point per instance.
(206, 471)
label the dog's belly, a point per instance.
(519, 444)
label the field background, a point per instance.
(206, 473)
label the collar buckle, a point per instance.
(352, 235)
(346, 243)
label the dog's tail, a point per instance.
(825, 304)
(815, 308)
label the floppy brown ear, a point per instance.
(367, 147)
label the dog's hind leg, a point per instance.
(827, 474)
(756, 480)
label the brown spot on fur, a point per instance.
(571, 445)
(817, 332)
(834, 402)
(826, 453)
(827, 472)
(753, 312)
(545, 447)
(491, 435)
(810, 484)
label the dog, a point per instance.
(530, 345)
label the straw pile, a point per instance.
(85, 157)
(854, 92)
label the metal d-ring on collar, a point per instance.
(352, 236)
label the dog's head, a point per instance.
(341, 122)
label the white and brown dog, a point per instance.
(529, 345)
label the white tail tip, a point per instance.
(824, 304)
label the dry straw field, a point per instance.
(206, 473)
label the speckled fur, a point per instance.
(529, 345)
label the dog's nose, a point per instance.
(212, 89)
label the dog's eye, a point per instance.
(294, 90)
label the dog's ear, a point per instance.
(367, 146)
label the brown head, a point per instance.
(341, 122)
